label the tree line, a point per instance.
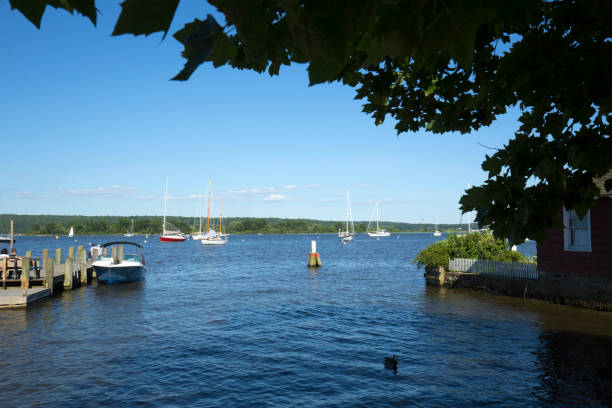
(115, 225)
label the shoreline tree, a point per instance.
(438, 65)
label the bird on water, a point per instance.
(391, 362)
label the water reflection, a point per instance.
(576, 368)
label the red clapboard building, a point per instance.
(584, 246)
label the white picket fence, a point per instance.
(508, 270)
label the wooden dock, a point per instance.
(45, 276)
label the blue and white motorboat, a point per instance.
(115, 266)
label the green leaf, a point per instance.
(33, 10)
(198, 37)
(145, 16)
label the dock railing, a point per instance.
(508, 270)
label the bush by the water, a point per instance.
(477, 245)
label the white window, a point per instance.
(577, 231)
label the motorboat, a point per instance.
(117, 266)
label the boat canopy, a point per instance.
(120, 243)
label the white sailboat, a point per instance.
(131, 233)
(379, 232)
(436, 232)
(349, 234)
(169, 232)
(212, 237)
(199, 235)
(71, 233)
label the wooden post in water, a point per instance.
(314, 259)
(25, 274)
(49, 272)
(3, 273)
(12, 236)
(114, 254)
(28, 254)
(68, 273)
(83, 273)
(120, 256)
(94, 257)
(45, 255)
(58, 256)
(71, 252)
(82, 265)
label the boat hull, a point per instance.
(379, 234)
(171, 238)
(214, 241)
(119, 274)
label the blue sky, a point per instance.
(92, 125)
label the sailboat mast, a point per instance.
(347, 211)
(200, 214)
(208, 213)
(221, 217)
(165, 198)
(376, 215)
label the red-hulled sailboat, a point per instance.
(169, 232)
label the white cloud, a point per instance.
(289, 187)
(100, 191)
(30, 196)
(277, 197)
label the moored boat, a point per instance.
(117, 266)
(213, 237)
(349, 234)
(169, 232)
(380, 232)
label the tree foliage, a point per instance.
(477, 245)
(113, 225)
(439, 65)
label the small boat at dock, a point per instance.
(117, 266)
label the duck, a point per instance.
(391, 362)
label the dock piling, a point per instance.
(49, 271)
(3, 273)
(25, 274)
(58, 256)
(68, 273)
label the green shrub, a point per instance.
(477, 245)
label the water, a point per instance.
(247, 324)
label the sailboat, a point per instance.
(131, 233)
(199, 235)
(212, 237)
(436, 232)
(71, 233)
(349, 234)
(169, 232)
(379, 232)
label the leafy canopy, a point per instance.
(439, 65)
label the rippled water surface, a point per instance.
(248, 324)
